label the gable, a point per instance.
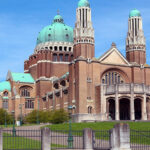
(20, 77)
(113, 56)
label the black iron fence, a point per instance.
(59, 139)
(21, 139)
(101, 140)
(66, 139)
(140, 140)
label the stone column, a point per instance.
(116, 104)
(103, 103)
(88, 139)
(144, 113)
(132, 111)
(46, 139)
(120, 137)
(1, 139)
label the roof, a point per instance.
(83, 3)
(5, 85)
(134, 13)
(113, 56)
(20, 77)
(58, 31)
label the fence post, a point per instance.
(88, 139)
(1, 139)
(120, 137)
(46, 139)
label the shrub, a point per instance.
(43, 116)
(5, 115)
(31, 117)
(59, 116)
(56, 117)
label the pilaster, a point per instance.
(132, 111)
(116, 104)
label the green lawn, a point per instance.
(100, 126)
(11, 125)
(142, 137)
(17, 142)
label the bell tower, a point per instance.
(135, 42)
(83, 31)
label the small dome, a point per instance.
(134, 13)
(58, 18)
(83, 3)
(56, 32)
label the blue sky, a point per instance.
(21, 20)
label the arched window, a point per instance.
(25, 91)
(5, 93)
(60, 57)
(66, 57)
(63, 83)
(54, 57)
(71, 57)
(90, 110)
(56, 86)
(112, 78)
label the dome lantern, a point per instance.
(134, 13)
(83, 3)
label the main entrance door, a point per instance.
(111, 109)
(137, 109)
(124, 107)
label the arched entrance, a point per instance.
(111, 109)
(124, 107)
(137, 109)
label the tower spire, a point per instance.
(135, 42)
(83, 31)
(58, 12)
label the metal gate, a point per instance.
(140, 140)
(101, 140)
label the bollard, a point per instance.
(46, 141)
(88, 139)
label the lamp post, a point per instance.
(37, 115)
(70, 137)
(5, 120)
(20, 107)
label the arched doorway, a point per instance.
(137, 109)
(124, 107)
(111, 109)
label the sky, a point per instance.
(22, 20)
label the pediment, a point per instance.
(113, 56)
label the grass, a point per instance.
(11, 125)
(100, 126)
(10, 142)
(18, 142)
(140, 131)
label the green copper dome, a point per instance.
(83, 3)
(56, 32)
(134, 13)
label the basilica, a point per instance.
(63, 71)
